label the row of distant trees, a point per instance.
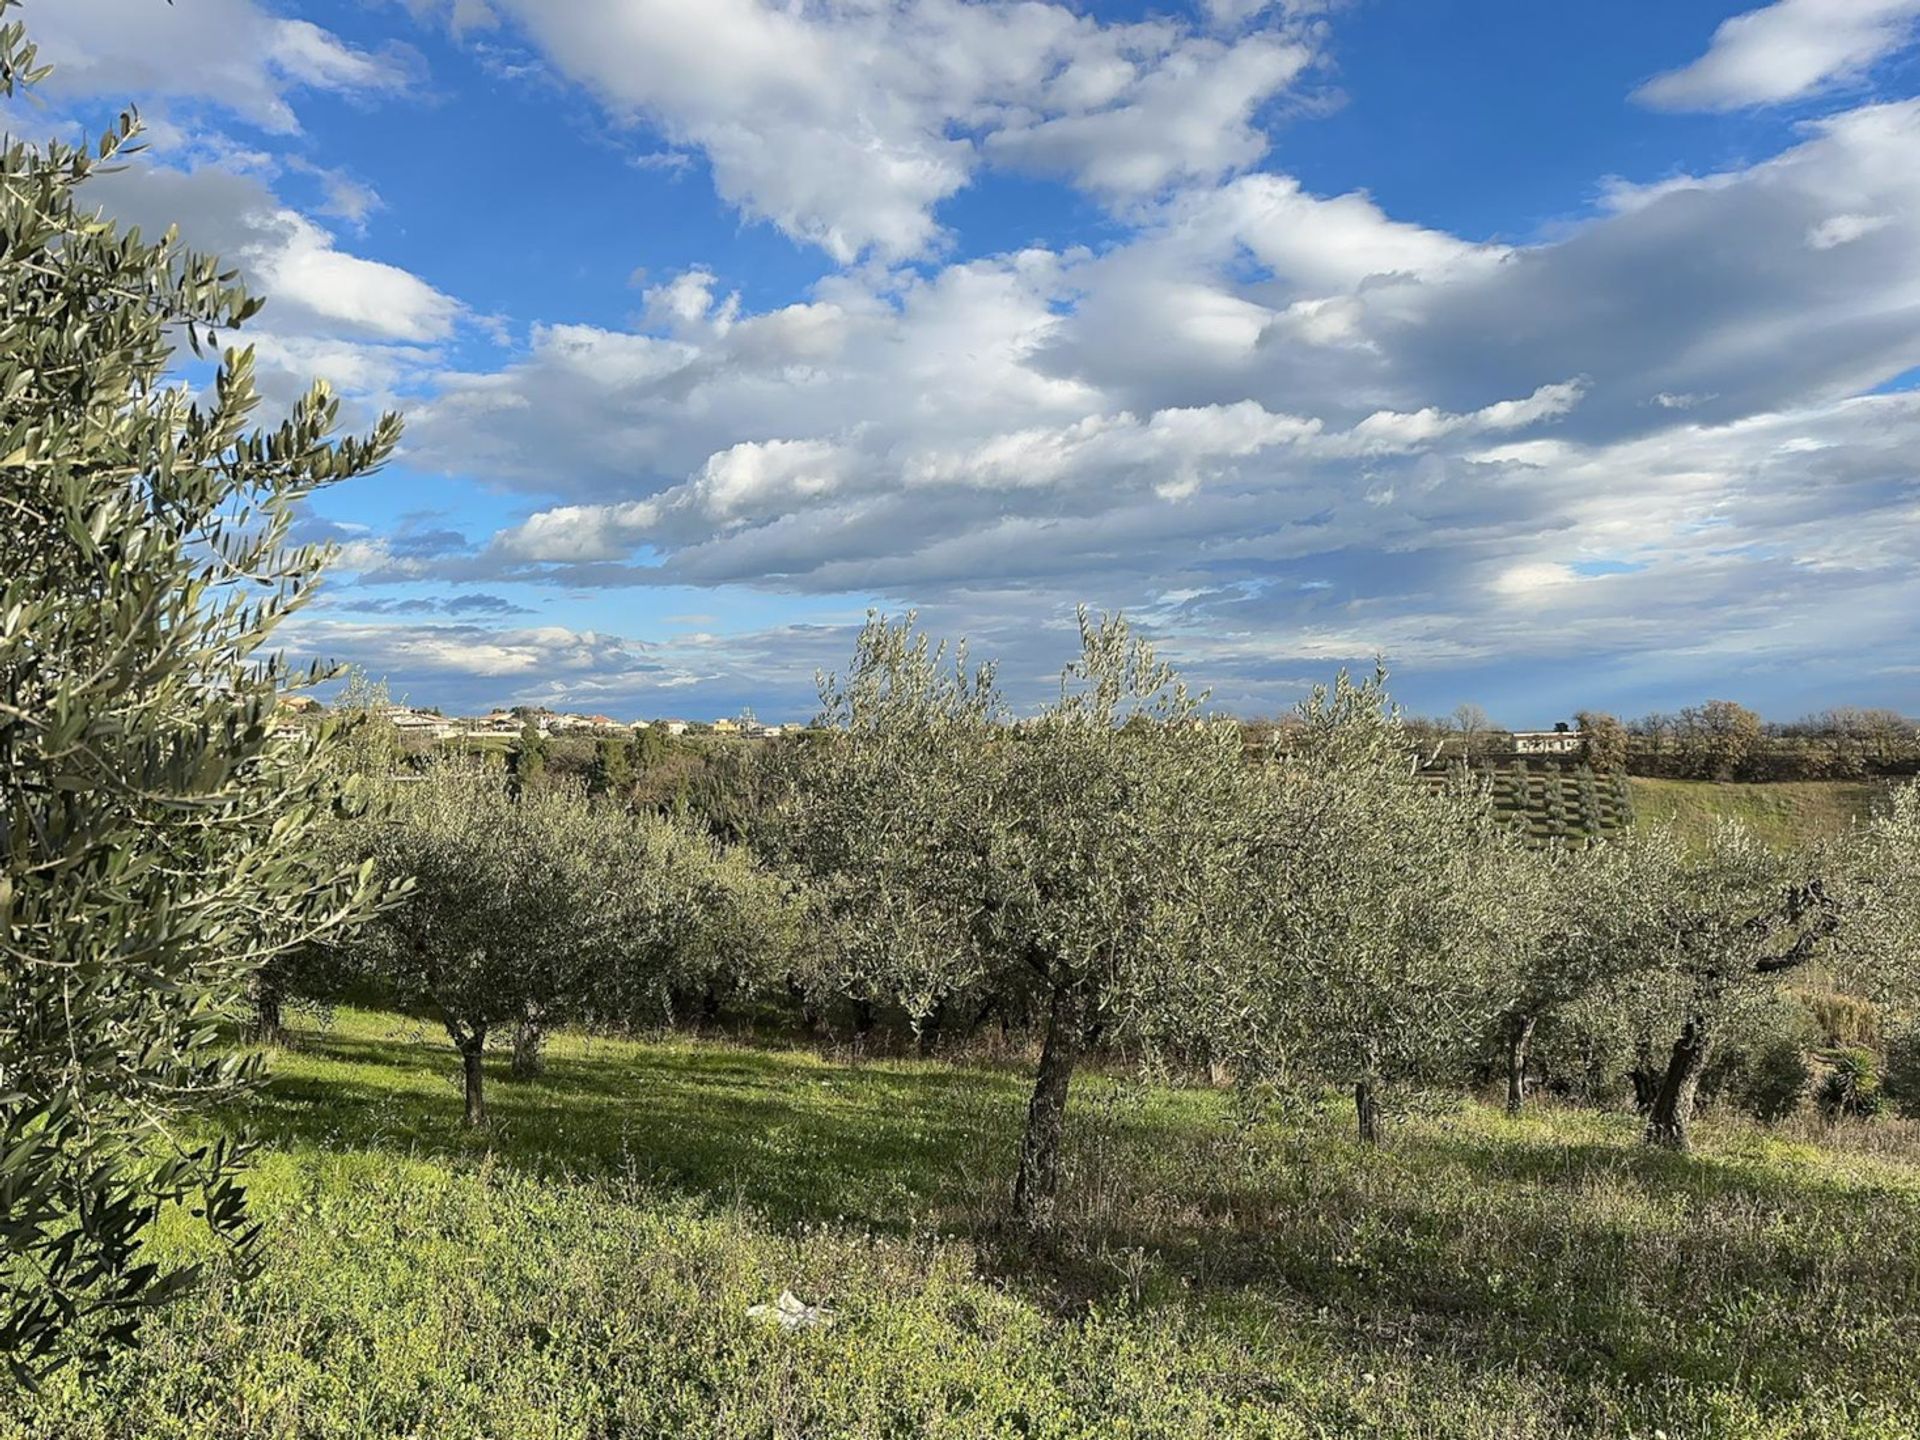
(1721, 740)
(1716, 740)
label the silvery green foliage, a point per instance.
(1379, 911)
(1124, 817)
(889, 793)
(158, 826)
(1568, 931)
(683, 913)
(1573, 910)
(542, 906)
(1877, 871)
(1728, 917)
(1061, 857)
(502, 916)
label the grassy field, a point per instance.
(586, 1269)
(1783, 813)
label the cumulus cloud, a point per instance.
(1190, 118)
(372, 330)
(1787, 50)
(233, 52)
(846, 123)
(312, 283)
(1286, 428)
(1275, 423)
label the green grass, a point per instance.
(585, 1269)
(1783, 813)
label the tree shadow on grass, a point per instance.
(786, 1136)
(1588, 1258)
(1592, 1257)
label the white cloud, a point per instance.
(847, 122)
(535, 657)
(1387, 431)
(1843, 229)
(1533, 579)
(1784, 51)
(367, 326)
(1320, 429)
(312, 285)
(1190, 118)
(232, 52)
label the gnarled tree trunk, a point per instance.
(1038, 1180)
(1366, 1098)
(1519, 1041)
(1669, 1122)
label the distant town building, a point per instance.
(409, 721)
(1563, 739)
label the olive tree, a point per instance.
(503, 918)
(1058, 854)
(1718, 928)
(157, 824)
(1876, 870)
(1378, 908)
(1569, 911)
(886, 802)
(528, 910)
(688, 916)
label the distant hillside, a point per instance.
(1784, 813)
(1557, 798)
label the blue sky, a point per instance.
(1564, 355)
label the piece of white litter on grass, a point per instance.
(790, 1312)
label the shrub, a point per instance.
(1852, 1086)
(1900, 1079)
(1777, 1080)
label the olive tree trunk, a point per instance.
(1366, 1098)
(529, 1043)
(267, 1026)
(1670, 1121)
(1366, 1109)
(927, 1039)
(1519, 1042)
(1038, 1179)
(472, 1045)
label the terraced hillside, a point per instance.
(1565, 802)
(1558, 802)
